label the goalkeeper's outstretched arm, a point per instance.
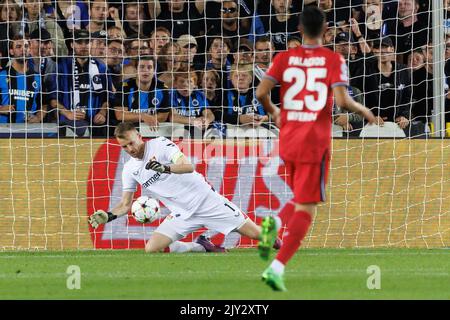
(124, 206)
(101, 217)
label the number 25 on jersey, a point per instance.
(310, 79)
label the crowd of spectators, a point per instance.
(92, 64)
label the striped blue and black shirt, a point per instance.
(236, 104)
(22, 90)
(153, 101)
(191, 106)
(84, 86)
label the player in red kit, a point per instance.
(309, 76)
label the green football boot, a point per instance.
(267, 238)
(273, 280)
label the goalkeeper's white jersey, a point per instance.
(182, 194)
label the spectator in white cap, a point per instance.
(189, 49)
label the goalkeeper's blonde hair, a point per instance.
(123, 128)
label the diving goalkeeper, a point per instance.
(160, 167)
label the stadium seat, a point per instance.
(336, 131)
(166, 129)
(71, 133)
(212, 133)
(250, 132)
(28, 129)
(235, 131)
(260, 133)
(388, 130)
(147, 131)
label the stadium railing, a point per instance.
(20, 130)
(175, 130)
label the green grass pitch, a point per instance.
(312, 274)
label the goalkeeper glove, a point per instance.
(158, 167)
(100, 217)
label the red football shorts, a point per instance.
(308, 180)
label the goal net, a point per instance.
(188, 70)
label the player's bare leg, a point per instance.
(253, 231)
(157, 243)
(250, 229)
(297, 228)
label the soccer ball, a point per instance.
(145, 209)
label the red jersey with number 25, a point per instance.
(307, 75)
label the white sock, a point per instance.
(180, 247)
(195, 247)
(277, 222)
(277, 266)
